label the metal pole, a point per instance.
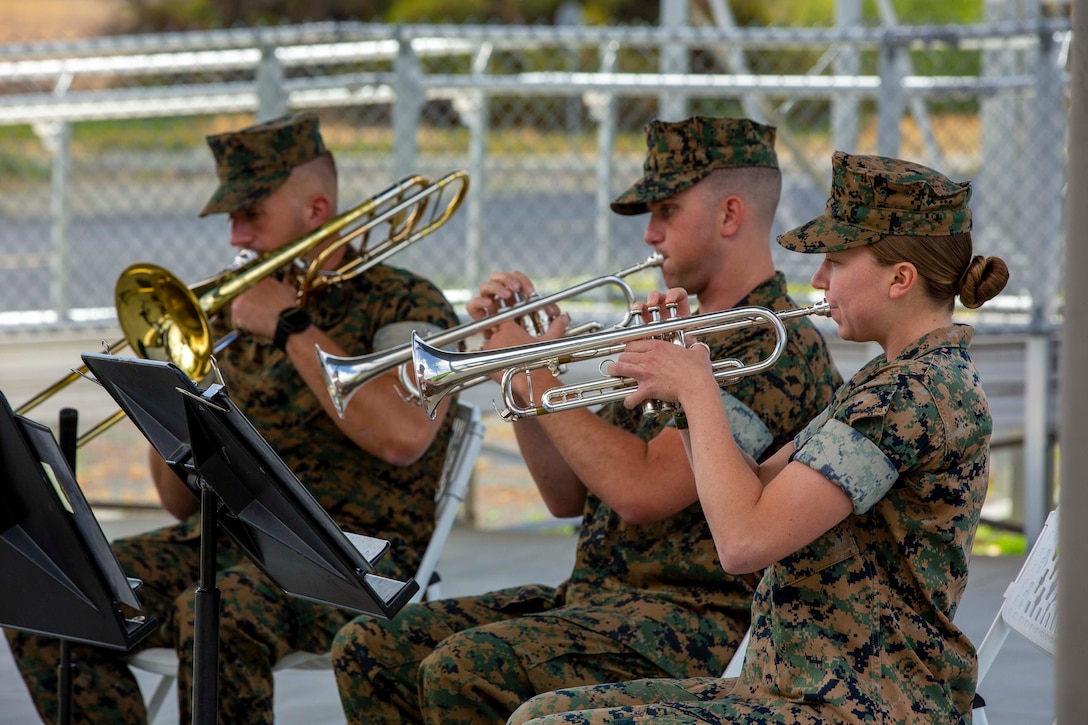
(845, 106)
(604, 111)
(674, 59)
(1072, 622)
(61, 215)
(271, 94)
(475, 113)
(406, 108)
(890, 113)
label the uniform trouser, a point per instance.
(258, 624)
(471, 660)
(699, 701)
(656, 701)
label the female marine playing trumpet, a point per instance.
(865, 521)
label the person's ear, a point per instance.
(318, 209)
(731, 214)
(904, 277)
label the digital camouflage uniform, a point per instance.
(856, 627)
(363, 494)
(642, 599)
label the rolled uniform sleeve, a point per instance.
(749, 431)
(851, 461)
(858, 444)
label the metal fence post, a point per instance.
(56, 136)
(674, 59)
(845, 106)
(406, 107)
(60, 139)
(890, 97)
(271, 94)
(602, 107)
(472, 106)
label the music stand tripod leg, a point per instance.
(206, 644)
(66, 438)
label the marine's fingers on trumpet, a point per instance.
(509, 287)
(496, 292)
(481, 306)
(699, 344)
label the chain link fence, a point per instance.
(104, 162)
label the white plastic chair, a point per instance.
(1030, 606)
(733, 668)
(466, 438)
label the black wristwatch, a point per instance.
(291, 320)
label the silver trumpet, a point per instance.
(345, 375)
(441, 372)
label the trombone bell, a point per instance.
(162, 319)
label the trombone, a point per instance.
(345, 375)
(163, 319)
(439, 372)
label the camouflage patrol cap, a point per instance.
(254, 162)
(680, 154)
(876, 196)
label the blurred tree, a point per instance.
(158, 15)
(814, 13)
(154, 15)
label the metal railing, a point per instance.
(547, 120)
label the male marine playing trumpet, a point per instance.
(647, 597)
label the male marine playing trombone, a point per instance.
(375, 471)
(647, 597)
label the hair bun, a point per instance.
(983, 280)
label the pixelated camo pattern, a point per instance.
(660, 586)
(857, 626)
(255, 161)
(648, 600)
(844, 456)
(681, 153)
(874, 196)
(872, 600)
(363, 493)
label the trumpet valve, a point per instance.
(535, 322)
(656, 407)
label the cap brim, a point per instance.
(232, 196)
(645, 191)
(825, 234)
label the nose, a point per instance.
(241, 232)
(819, 277)
(653, 234)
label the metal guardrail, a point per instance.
(392, 72)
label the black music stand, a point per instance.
(249, 492)
(60, 577)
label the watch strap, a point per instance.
(290, 321)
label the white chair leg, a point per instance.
(164, 689)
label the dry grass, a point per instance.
(23, 21)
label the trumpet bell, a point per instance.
(162, 319)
